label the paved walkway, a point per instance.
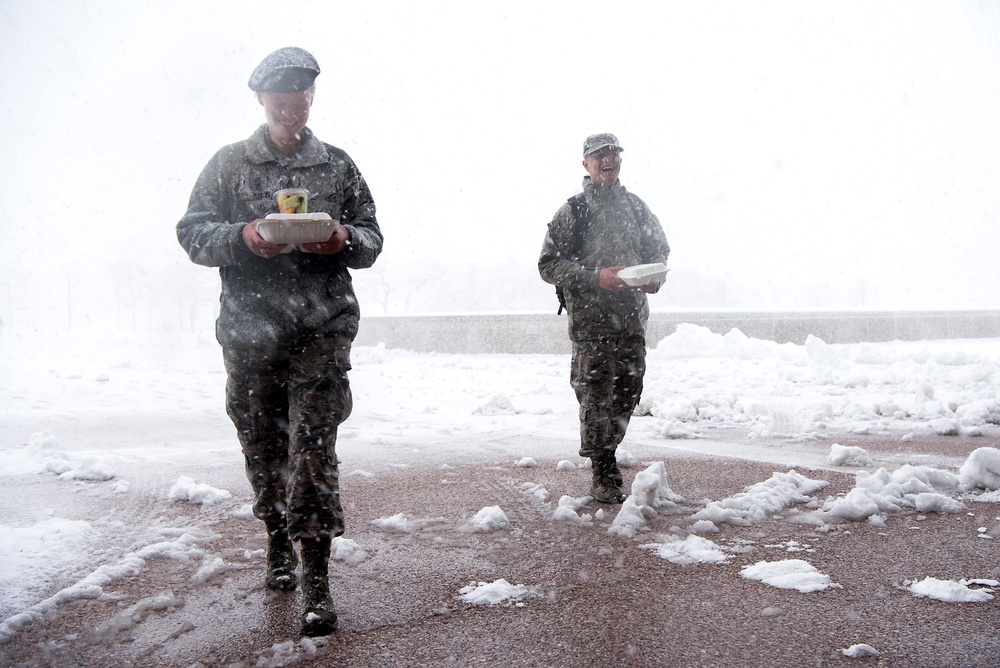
(597, 599)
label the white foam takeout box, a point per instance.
(297, 228)
(643, 274)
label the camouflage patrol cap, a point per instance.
(597, 142)
(287, 70)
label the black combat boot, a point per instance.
(318, 616)
(608, 481)
(281, 559)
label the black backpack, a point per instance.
(581, 218)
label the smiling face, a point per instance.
(286, 114)
(603, 165)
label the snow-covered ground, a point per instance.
(98, 437)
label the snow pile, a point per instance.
(650, 489)
(761, 500)
(651, 495)
(930, 502)
(676, 430)
(347, 551)
(947, 426)
(704, 526)
(697, 342)
(690, 550)
(952, 591)
(625, 459)
(88, 468)
(211, 567)
(490, 518)
(398, 523)
(567, 510)
(979, 412)
(42, 454)
(849, 455)
(245, 512)
(492, 593)
(189, 491)
(789, 574)
(859, 651)
(498, 405)
(535, 491)
(923, 488)
(981, 470)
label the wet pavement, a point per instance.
(596, 599)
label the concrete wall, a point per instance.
(546, 333)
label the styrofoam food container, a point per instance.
(297, 228)
(643, 274)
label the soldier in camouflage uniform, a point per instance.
(591, 238)
(288, 317)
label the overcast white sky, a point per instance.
(799, 155)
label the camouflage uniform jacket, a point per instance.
(296, 296)
(615, 235)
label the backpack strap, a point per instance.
(638, 210)
(581, 218)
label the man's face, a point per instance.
(604, 165)
(286, 114)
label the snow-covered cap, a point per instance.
(597, 142)
(287, 70)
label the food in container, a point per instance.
(292, 200)
(643, 274)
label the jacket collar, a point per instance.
(311, 152)
(596, 193)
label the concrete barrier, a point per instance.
(547, 333)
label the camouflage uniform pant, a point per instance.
(607, 378)
(286, 406)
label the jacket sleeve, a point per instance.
(359, 219)
(205, 232)
(556, 265)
